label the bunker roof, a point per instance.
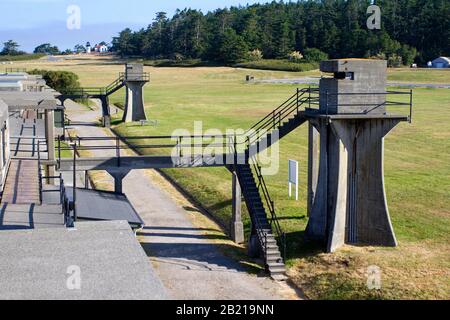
(38, 264)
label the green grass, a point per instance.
(279, 65)
(22, 57)
(64, 153)
(419, 75)
(186, 63)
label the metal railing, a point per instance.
(328, 105)
(191, 142)
(135, 76)
(303, 99)
(109, 89)
(270, 204)
(15, 70)
(275, 118)
(68, 209)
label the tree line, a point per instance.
(411, 30)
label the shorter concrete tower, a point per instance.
(347, 199)
(135, 80)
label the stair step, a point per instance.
(278, 276)
(276, 266)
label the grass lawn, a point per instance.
(417, 173)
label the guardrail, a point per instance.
(109, 89)
(270, 204)
(68, 208)
(372, 106)
(15, 70)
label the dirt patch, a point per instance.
(412, 271)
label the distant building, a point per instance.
(100, 48)
(441, 62)
(88, 48)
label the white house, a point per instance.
(441, 62)
(101, 48)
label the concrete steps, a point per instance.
(273, 260)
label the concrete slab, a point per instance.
(39, 264)
(30, 216)
(101, 205)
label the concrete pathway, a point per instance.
(22, 183)
(190, 265)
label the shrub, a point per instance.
(255, 55)
(279, 65)
(295, 56)
(315, 55)
(394, 61)
(59, 80)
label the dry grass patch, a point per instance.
(412, 271)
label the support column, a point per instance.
(134, 108)
(237, 227)
(317, 224)
(118, 180)
(50, 137)
(106, 115)
(313, 165)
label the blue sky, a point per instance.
(33, 22)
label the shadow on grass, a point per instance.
(297, 246)
(220, 205)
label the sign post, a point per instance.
(293, 177)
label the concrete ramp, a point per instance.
(22, 183)
(105, 206)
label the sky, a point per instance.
(33, 22)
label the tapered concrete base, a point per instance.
(134, 108)
(118, 180)
(350, 204)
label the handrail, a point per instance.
(107, 90)
(274, 222)
(67, 206)
(303, 98)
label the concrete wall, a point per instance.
(353, 76)
(5, 153)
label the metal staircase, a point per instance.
(265, 225)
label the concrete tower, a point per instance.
(135, 79)
(347, 199)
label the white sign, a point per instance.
(293, 177)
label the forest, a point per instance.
(411, 31)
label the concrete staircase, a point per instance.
(283, 121)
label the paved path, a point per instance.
(189, 265)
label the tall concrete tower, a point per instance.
(135, 80)
(347, 196)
